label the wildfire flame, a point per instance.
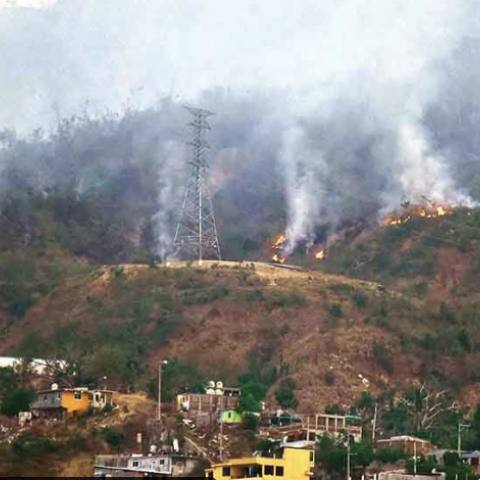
(422, 212)
(279, 259)
(278, 247)
(321, 255)
(280, 242)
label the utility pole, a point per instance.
(221, 428)
(374, 427)
(349, 456)
(415, 458)
(159, 407)
(460, 428)
(196, 235)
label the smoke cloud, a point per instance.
(338, 108)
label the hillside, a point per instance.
(396, 306)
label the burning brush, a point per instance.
(278, 248)
(423, 211)
(280, 257)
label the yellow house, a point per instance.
(62, 403)
(292, 464)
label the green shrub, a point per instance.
(446, 314)
(334, 410)
(113, 437)
(204, 296)
(330, 378)
(420, 289)
(287, 298)
(360, 299)
(255, 295)
(336, 311)
(285, 395)
(390, 456)
(29, 445)
(382, 357)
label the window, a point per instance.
(269, 470)
(135, 464)
(45, 399)
(226, 472)
(312, 457)
(78, 395)
(210, 474)
(280, 472)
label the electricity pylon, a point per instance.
(196, 235)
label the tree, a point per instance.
(425, 465)
(9, 380)
(109, 362)
(425, 407)
(17, 401)
(251, 396)
(285, 395)
(114, 438)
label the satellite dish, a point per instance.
(220, 385)
(211, 384)
(55, 387)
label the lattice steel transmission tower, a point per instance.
(196, 235)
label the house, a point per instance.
(473, 459)
(401, 475)
(62, 403)
(410, 445)
(290, 464)
(232, 417)
(310, 427)
(205, 409)
(162, 465)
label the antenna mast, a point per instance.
(196, 235)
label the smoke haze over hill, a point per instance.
(337, 109)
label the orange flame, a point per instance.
(422, 212)
(278, 259)
(280, 242)
(321, 255)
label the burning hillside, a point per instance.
(349, 231)
(429, 211)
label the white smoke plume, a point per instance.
(348, 98)
(169, 184)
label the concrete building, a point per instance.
(61, 403)
(310, 427)
(473, 459)
(406, 443)
(163, 465)
(291, 464)
(203, 409)
(405, 476)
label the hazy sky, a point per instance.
(54, 60)
(26, 3)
